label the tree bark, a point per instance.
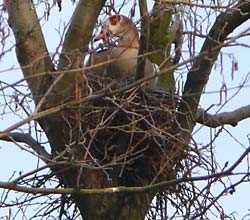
(198, 76)
(63, 131)
(160, 41)
(34, 59)
(31, 50)
(125, 206)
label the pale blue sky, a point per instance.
(13, 159)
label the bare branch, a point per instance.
(224, 118)
(122, 189)
(27, 139)
(198, 75)
(111, 190)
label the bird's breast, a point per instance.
(125, 60)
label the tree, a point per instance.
(114, 150)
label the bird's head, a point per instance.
(116, 26)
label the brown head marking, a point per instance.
(114, 19)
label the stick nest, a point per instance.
(130, 136)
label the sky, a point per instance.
(228, 147)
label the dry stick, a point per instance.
(191, 4)
(90, 97)
(105, 91)
(71, 71)
(99, 94)
(122, 189)
(26, 138)
(21, 177)
(86, 68)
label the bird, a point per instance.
(120, 60)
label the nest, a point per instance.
(130, 135)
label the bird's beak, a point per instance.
(103, 35)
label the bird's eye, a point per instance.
(108, 33)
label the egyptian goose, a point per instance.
(123, 56)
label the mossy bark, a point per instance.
(160, 43)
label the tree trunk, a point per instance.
(124, 206)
